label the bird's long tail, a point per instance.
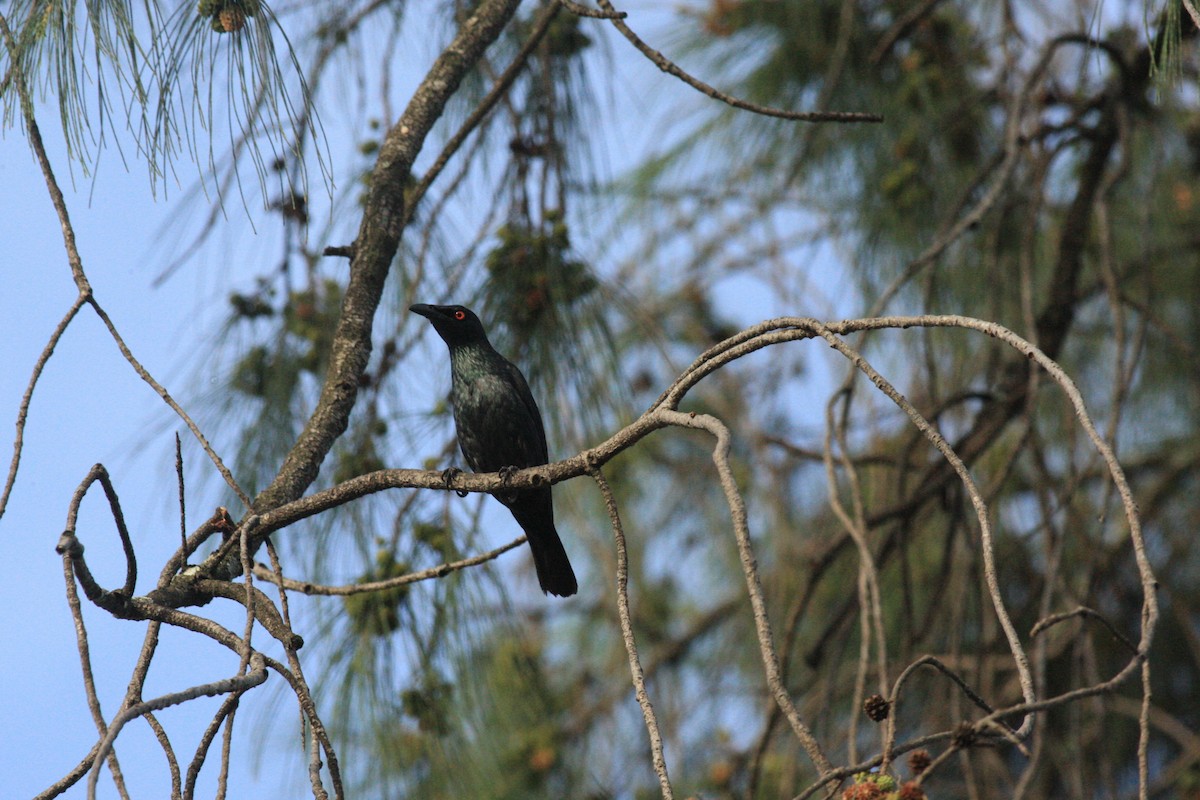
(553, 567)
(549, 556)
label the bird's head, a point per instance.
(455, 324)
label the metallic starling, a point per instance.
(500, 429)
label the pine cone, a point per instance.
(919, 761)
(965, 735)
(877, 708)
(232, 18)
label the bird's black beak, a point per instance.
(427, 311)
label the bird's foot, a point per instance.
(506, 474)
(448, 475)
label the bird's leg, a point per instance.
(448, 475)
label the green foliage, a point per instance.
(495, 732)
(431, 706)
(310, 315)
(249, 306)
(890, 183)
(378, 613)
(533, 278)
(656, 609)
(159, 73)
(525, 714)
(271, 371)
(565, 39)
(252, 374)
(437, 538)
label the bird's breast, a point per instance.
(494, 426)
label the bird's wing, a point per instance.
(522, 387)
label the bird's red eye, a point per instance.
(460, 314)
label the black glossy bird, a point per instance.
(499, 428)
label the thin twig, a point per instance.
(182, 504)
(870, 603)
(1052, 620)
(1190, 6)
(39, 151)
(228, 711)
(671, 68)
(161, 391)
(635, 664)
(164, 741)
(593, 13)
(894, 700)
(248, 574)
(762, 625)
(89, 682)
(441, 570)
(220, 522)
(503, 83)
(241, 683)
(264, 610)
(202, 747)
(227, 746)
(73, 777)
(277, 576)
(99, 473)
(134, 695)
(319, 738)
(1143, 750)
(1020, 658)
(23, 410)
